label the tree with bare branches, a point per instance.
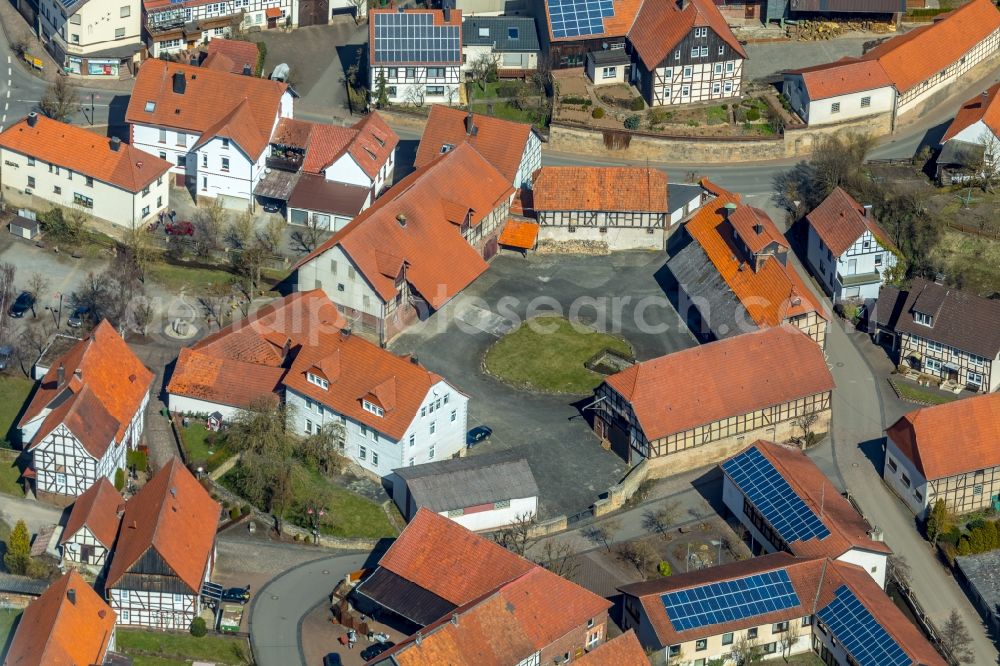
(602, 533)
(516, 536)
(660, 519)
(559, 557)
(639, 554)
(60, 100)
(38, 285)
(789, 637)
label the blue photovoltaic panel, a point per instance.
(577, 18)
(402, 38)
(730, 600)
(860, 634)
(774, 498)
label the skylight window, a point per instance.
(512, 33)
(150, 106)
(484, 32)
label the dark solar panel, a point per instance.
(860, 633)
(783, 509)
(576, 18)
(730, 600)
(413, 38)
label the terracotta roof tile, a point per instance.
(55, 631)
(84, 152)
(439, 261)
(921, 53)
(114, 384)
(842, 77)
(242, 108)
(737, 376)
(616, 25)
(953, 438)
(840, 221)
(771, 294)
(623, 650)
(235, 53)
(222, 380)
(983, 107)
(519, 234)
(176, 517)
(501, 142)
(756, 229)
(661, 26)
(600, 189)
(99, 509)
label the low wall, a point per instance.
(622, 491)
(796, 142)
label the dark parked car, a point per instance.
(332, 659)
(78, 316)
(271, 207)
(236, 595)
(478, 434)
(375, 650)
(23, 303)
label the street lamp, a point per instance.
(315, 514)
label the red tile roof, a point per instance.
(772, 294)
(756, 229)
(435, 552)
(98, 406)
(176, 517)
(983, 107)
(55, 631)
(231, 55)
(737, 376)
(617, 25)
(369, 142)
(623, 650)
(433, 202)
(84, 152)
(917, 55)
(661, 26)
(953, 438)
(508, 625)
(240, 108)
(842, 77)
(848, 529)
(501, 142)
(99, 510)
(840, 221)
(519, 234)
(592, 188)
(222, 380)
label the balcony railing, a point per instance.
(859, 278)
(284, 162)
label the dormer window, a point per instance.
(373, 408)
(317, 380)
(923, 319)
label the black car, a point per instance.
(236, 595)
(78, 316)
(375, 650)
(25, 300)
(478, 434)
(271, 207)
(332, 659)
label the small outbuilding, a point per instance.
(25, 225)
(214, 421)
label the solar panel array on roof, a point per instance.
(402, 37)
(860, 633)
(730, 600)
(783, 509)
(575, 18)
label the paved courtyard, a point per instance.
(617, 294)
(770, 58)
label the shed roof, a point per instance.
(594, 188)
(471, 481)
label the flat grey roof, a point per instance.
(503, 33)
(983, 573)
(463, 482)
(678, 194)
(610, 57)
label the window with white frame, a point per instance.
(728, 86)
(716, 88)
(704, 52)
(454, 415)
(609, 72)
(685, 91)
(975, 378)
(688, 71)
(923, 319)
(677, 54)
(730, 66)
(718, 68)
(413, 439)
(362, 453)
(935, 346)
(722, 50)
(976, 360)
(430, 453)
(317, 380)
(372, 407)
(433, 427)
(695, 51)
(375, 458)
(225, 164)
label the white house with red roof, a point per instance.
(87, 412)
(839, 91)
(213, 126)
(92, 527)
(974, 134)
(71, 167)
(174, 26)
(850, 255)
(416, 55)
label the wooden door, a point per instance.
(314, 12)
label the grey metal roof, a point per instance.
(716, 303)
(961, 153)
(498, 35)
(610, 57)
(983, 573)
(678, 194)
(470, 481)
(22, 585)
(403, 597)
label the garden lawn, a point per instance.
(14, 392)
(155, 648)
(548, 354)
(348, 514)
(534, 116)
(197, 449)
(916, 393)
(490, 91)
(9, 474)
(176, 278)
(8, 623)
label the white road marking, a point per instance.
(6, 105)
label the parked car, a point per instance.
(236, 595)
(78, 316)
(332, 659)
(6, 356)
(375, 650)
(182, 228)
(25, 300)
(477, 435)
(271, 207)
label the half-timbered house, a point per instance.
(752, 386)
(89, 410)
(92, 527)
(165, 551)
(416, 55)
(685, 53)
(624, 207)
(946, 452)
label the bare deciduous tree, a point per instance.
(661, 518)
(218, 303)
(60, 100)
(38, 285)
(955, 638)
(986, 170)
(559, 558)
(240, 233)
(307, 237)
(789, 638)
(602, 534)
(516, 537)
(746, 651)
(639, 554)
(414, 96)
(270, 237)
(209, 224)
(484, 69)
(805, 423)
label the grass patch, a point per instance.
(548, 354)
(176, 278)
(917, 393)
(973, 260)
(9, 617)
(10, 472)
(155, 648)
(536, 116)
(200, 448)
(14, 393)
(489, 91)
(716, 115)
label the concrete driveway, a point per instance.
(770, 58)
(617, 293)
